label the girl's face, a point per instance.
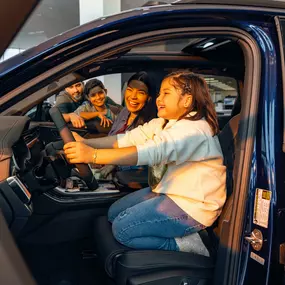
(97, 96)
(170, 103)
(136, 96)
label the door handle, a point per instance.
(255, 239)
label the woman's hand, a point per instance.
(105, 122)
(77, 137)
(78, 152)
(76, 121)
(106, 170)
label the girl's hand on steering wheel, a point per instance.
(105, 122)
(78, 152)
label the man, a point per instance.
(68, 101)
(71, 98)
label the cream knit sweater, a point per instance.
(195, 177)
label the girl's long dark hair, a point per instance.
(149, 110)
(193, 84)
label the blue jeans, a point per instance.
(147, 220)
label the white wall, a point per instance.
(9, 53)
(91, 10)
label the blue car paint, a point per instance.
(263, 161)
(267, 158)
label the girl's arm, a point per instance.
(108, 150)
(134, 137)
(105, 142)
(78, 152)
(183, 142)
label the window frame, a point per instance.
(281, 42)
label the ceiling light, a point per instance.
(36, 32)
(208, 44)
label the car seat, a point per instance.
(125, 265)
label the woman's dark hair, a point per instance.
(149, 110)
(193, 84)
(91, 84)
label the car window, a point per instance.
(43, 116)
(172, 45)
(114, 85)
(223, 92)
(115, 90)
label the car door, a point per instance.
(15, 272)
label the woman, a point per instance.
(140, 108)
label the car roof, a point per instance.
(66, 38)
(278, 4)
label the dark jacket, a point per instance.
(65, 104)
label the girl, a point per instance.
(96, 106)
(188, 177)
(140, 108)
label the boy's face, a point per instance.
(97, 96)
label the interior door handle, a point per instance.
(255, 239)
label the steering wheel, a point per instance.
(66, 135)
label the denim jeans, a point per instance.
(147, 220)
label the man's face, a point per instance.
(75, 91)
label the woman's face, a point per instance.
(136, 96)
(97, 96)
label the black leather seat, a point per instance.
(122, 263)
(126, 265)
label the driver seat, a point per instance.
(127, 265)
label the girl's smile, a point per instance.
(170, 102)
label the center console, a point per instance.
(75, 186)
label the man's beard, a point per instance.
(77, 97)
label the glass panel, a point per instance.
(49, 19)
(223, 91)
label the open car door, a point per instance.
(15, 13)
(13, 269)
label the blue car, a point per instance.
(51, 233)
